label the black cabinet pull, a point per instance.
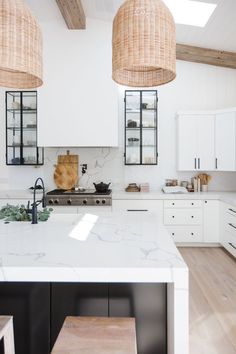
(232, 245)
(232, 210)
(173, 234)
(195, 163)
(192, 216)
(192, 203)
(199, 165)
(173, 216)
(192, 234)
(137, 209)
(216, 163)
(173, 203)
(232, 225)
(205, 201)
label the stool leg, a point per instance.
(8, 338)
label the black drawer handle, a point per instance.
(232, 210)
(232, 225)
(173, 203)
(192, 216)
(173, 216)
(192, 234)
(232, 245)
(173, 234)
(137, 209)
(192, 203)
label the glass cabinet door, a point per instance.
(21, 125)
(140, 127)
(133, 124)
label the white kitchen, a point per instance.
(117, 177)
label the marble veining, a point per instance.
(104, 246)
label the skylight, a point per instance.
(190, 12)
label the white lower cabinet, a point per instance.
(184, 219)
(192, 221)
(187, 220)
(186, 234)
(183, 216)
(155, 206)
(211, 215)
(228, 228)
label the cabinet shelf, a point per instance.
(21, 129)
(144, 116)
(144, 128)
(23, 146)
(24, 111)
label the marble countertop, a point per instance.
(227, 197)
(98, 247)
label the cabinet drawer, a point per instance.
(186, 233)
(232, 211)
(183, 217)
(139, 205)
(230, 243)
(230, 224)
(182, 203)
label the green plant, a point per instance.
(19, 213)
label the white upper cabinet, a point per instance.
(195, 142)
(225, 129)
(78, 102)
(187, 143)
(207, 141)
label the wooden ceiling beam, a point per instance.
(73, 13)
(206, 56)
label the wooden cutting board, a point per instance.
(66, 171)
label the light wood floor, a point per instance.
(212, 300)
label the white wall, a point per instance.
(196, 87)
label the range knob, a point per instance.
(50, 201)
(85, 201)
(97, 201)
(103, 201)
(69, 201)
(56, 201)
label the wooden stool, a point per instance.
(96, 335)
(6, 333)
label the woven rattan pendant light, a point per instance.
(143, 44)
(20, 46)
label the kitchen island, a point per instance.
(103, 252)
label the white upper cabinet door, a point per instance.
(225, 130)
(187, 142)
(205, 142)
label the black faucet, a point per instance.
(35, 204)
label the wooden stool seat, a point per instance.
(6, 333)
(96, 335)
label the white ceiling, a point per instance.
(219, 33)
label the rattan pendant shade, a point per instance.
(20, 46)
(143, 44)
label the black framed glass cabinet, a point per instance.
(21, 129)
(141, 127)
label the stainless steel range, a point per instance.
(79, 197)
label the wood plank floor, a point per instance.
(212, 300)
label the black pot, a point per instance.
(101, 187)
